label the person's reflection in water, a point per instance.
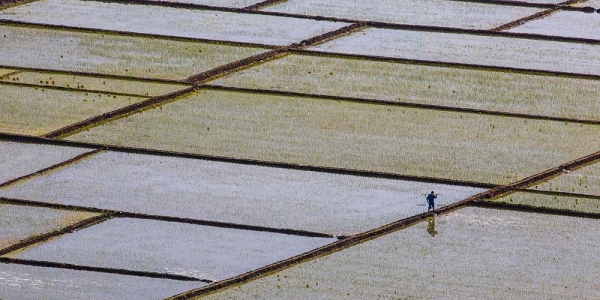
(431, 226)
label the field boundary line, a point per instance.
(328, 36)
(57, 265)
(7, 22)
(261, 58)
(238, 65)
(33, 240)
(536, 16)
(375, 24)
(2, 77)
(264, 4)
(561, 194)
(535, 209)
(434, 63)
(70, 90)
(163, 218)
(97, 75)
(352, 240)
(5, 4)
(400, 104)
(52, 168)
(272, 164)
(117, 114)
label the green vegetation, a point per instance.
(36, 111)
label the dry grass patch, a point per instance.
(36, 111)
(352, 135)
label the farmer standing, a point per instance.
(431, 201)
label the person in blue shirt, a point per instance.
(431, 201)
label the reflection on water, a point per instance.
(431, 226)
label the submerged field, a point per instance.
(113, 54)
(19, 159)
(444, 86)
(564, 23)
(242, 194)
(36, 111)
(437, 13)
(298, 167)
(29, 282)
(155, 20)
(19, 222)
(566, 203)
(202, 252)
(352, 135)
(470, 49)
(475, 254)
(91, 83)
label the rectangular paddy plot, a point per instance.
(564, 23)
(476, 89)
(153, 246)
(352, 135)
(20, 222)
(30, 282)
(414, 12)
(20, 159)
(218, 3)
(476, 254)
(470, 49)
(582, 181)
(112, 54)
(79, 82)
(564, 203)
(36, 111)
(242, 194)
(223, 26)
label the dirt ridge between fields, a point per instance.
(52, 168)
(401, 104)
(33, 240)
(47, 264)
(134, 215)
(352, 240)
